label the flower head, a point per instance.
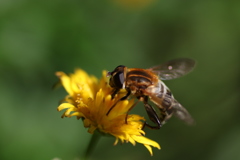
(90, 100)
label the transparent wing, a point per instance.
(180, 112)
(174, 68)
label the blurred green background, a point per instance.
(38, 38)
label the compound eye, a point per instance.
(118, 79)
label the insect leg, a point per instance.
(130, 110)
(164, 104)
(121, 99)
(115, 92)
(126, 96)
(152, 115)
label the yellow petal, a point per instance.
(149, 148)
(77, 114)
(146, 141)
(66, 82)
(116, 142)
(65, 106)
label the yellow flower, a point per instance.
(90, 100)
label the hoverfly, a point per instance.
(145, 84)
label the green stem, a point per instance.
(92, 144)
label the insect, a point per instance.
(145, 84)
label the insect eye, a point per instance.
(118, 80)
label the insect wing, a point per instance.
(174, 68)
(180, 112)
